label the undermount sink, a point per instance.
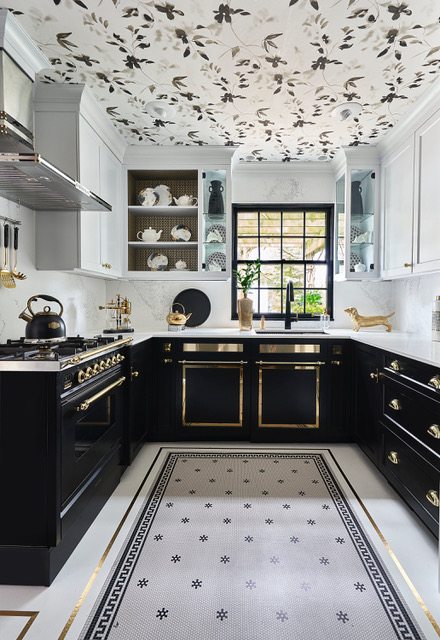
(285, 331)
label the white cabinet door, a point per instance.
(111, 222)
(89, 154)
(398, 198)
(426, 200)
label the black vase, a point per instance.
(356, 198)
(216, 206)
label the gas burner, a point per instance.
(20, 349)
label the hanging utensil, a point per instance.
(17, 274)
(5, 274)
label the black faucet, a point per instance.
(290, 297)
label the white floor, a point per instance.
(59, 611)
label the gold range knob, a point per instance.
(120, 357)
(96, 369)
(102, 365)
(108, 363)
(432, 496)
(81, 376)
(113, 361)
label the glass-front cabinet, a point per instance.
(179, 216)
(356, 216)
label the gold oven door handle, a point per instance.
(86, 404)
(393, 457)
(432, 496)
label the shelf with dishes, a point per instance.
(139, 244)
(171, 211)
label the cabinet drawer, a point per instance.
(415, 413)
(410, 472)
(407, 371)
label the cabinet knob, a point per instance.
(395, 404)
(337, 363)
(407, 264)
(393, 457)
(435, 381)
(395, 365)
(375, 376)
(134, 374)
(432, 496)
(106, 265)
(166, 360)
(434, 431)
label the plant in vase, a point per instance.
(245, 278)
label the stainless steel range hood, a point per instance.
(30, 180)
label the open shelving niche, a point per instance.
(196, 218)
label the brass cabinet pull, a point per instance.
(337, 363)
(134, 374)
(375, 376)
(86, 404)
(166, 346)
(266, 362)
(106, 265)
(434, 431)
(212, 361)
(395, 365)
(407, 264)
(393, 457)
(395, 404)
(167, 361)
(432, 496)
(435, 381)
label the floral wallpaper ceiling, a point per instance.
(264, 75)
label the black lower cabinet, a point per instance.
(367, 394)
(212, 391)
(139, 372)
(409, 471)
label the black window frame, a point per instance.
(329, 261)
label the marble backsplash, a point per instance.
(79, 295)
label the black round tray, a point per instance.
(195, 302)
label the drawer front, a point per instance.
(417, 414)
(409, 371)
(412, 471)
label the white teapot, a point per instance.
(149, 235)
(185, 201)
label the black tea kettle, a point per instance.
(43, 326)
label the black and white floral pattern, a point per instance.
(263, 75)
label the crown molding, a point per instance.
(177, 155)
(20, 47)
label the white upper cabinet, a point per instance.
(356, 216)
(70, 133)
(397, 211)
(410, 203)
(426, 196)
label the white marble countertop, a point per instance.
(410, 345)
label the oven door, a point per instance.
(91, 430)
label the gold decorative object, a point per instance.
(245, 313)
(367, 321)
(120, 308)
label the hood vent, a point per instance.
(33, 182)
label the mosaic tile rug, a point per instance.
(249, 546)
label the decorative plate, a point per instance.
(148, 197)
(157, 262)
(181, 233)
(164, 195)
(216, 261)
(216, 230)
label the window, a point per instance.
(292, 242)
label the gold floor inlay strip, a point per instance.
(18, 614)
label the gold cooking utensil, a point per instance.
(5, 275)
(17, 274)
